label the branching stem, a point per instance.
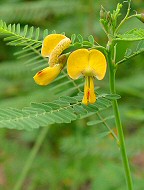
(117, 117)
(106, 125)
(129, 57)
(125, 18)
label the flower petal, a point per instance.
(50, 42)
(89, 94)
(47, 75)
(86, 92)
(92, 96)
(97, 63)
(77, 62)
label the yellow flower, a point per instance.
(47, 75)
(53, 46)
(89, 63)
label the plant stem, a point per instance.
(33, 153)
(129, 57)
(117, 119)
(125, 18)
(106, 125)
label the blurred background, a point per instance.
(71, 157)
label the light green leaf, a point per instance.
(112, 96)
(132, 35)
(73, 37)
(95, 122)
(80, 38)
(37, 33)
(64, 110)
(91, 39)
(45, 33)
(20, 37)
(128, 52)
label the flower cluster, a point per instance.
(88, 63)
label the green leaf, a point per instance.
(18, 28)
(37, 32)
(95, 122)
(104, 134)
(68, 99)
(132, 53)
(54, 32)
(63, 33)
(45, 33)
(112, 96)
(90, 108)
(80, 38)
(9, 27)
(91, 39)
(31, 32)
(20, 37)
(25, 30)
(73, 37)
(80, 110)
(64, 110)
(13, 28)
(128, 52)
(132, 35)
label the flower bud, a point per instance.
(102, 13)
(108, 16)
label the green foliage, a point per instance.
(79, 151)
(132, 35)
(64, 110)
(91, 39)
(73, 37)
(130, 53)
(16, 37)
(109, 20)
(96, 122)
(29, 39)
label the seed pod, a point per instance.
(62, 45)
(108, 16)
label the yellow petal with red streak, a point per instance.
(92, 96)
(47, 75)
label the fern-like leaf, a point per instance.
(18, 37)
(64, 110)
(132, 35)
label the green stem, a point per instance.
(106, 125)
(125, 18)
(118, 120)
(129, 57)
(33, 153)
